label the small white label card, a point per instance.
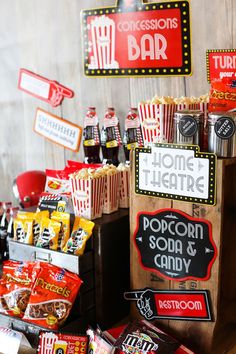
(10, 341)
(46, 90)
(58, 130)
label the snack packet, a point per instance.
(52, 296)
(60, 343)
(55, 202)
(3, 304)
(18, 279)
(222, 95)
(82, 230)
(64, 234)
(37, 217)
(140, 337)
(49, 233)
(57, 181)
(23, 230)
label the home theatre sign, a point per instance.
(137, 39)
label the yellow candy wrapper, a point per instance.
(23, 230)
(49, 232)
(82, 230)
(64, 234)
(37, 221)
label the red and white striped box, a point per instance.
(124, 189)
(111, 196)
(157, 120)
(46, 343)
(87, 196)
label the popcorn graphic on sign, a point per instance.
(102, 43)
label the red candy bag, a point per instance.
(17, 282)
(222, 95)
(52, 296)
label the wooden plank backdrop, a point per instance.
(45, 37)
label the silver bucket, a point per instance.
(188, 127)
(221, 133)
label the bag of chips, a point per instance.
(49, 233)
(52, 296)
(222, 95)
(82, 230)
(17, 280)
(64, 220)
(3, 304)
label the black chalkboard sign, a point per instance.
(225, 127)
(187, 126)
(175, 245)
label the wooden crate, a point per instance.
(220, 334)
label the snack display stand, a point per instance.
(101, 297)
(219, 334)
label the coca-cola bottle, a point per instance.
(91, 137)
(110, 138)
(3, 231)
(132, 135)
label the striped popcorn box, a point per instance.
(203, 106)
(111, 196)
(46, 344)
(156, 122)
(124, 189)
(87, 196)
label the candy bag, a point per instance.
(23, 230)
(49, 232)
(222, 95)
(52, 296)
(82, 230)
(37, 217)
(18, 279)
(64, 234)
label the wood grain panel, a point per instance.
(45, 37)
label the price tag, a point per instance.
(46, 90)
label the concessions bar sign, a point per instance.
(136, 39)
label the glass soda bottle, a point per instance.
(3, 231)
(10, 228)
(91, 137)
(132, 135)
(110, 138)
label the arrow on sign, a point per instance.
(208, 250)
(200, 166)
(145, 160)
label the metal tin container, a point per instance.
(221, 133)
(188, 127)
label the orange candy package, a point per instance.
(222, 95)
(52, 297)
(16, 285)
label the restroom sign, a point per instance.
(136, 39)
(177, 172)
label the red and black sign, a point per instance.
(221, 63)
(175, 245)
(136, 39)
(172, 304)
